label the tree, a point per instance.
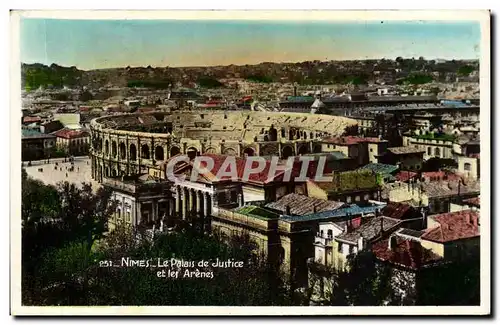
(53, 218)
(366, 283)
(362, 282)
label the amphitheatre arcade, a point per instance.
(130, 144)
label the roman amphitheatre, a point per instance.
(130, 144)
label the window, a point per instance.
(358, 198)
(351, 249)
(467, 166)
(371, 149)
(339, 247)
(321, 233)
(429, 151)
(128, 216)
(330, 233)
(437, 152)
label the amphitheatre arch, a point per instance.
(174, 151)
(317, 148)
(273, 134)
(133, 152)
(106, 147)
(114, 149)
(286, 152)
(229, 152)
(159, 155)
(249, 152)
(303, 149)
(145, 151)
(211, 150)
(123, 150)
(192, 152)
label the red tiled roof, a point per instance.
(454, 226)
(31, 119)
(260, 178)
(405, 252)
(71, 134)
(404, 176)
(350, 140)
(396, 210)
(440, 175)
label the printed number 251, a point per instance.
(105, 263)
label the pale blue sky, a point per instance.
(92, 44)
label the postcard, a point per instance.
(250, 163)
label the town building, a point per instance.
(348, 187)
(407, 158)
(409, 264)
(453, 235)
(435, 197)
(364, 150)
(142, 201)
(73, 142)
(36, 145)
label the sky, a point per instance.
(98, 44)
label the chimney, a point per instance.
(392, 243)
(361, 242)
(467, 218)
(287, 210)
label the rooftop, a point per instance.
(404, 252)
(350, 140)
(380, 168)
(302, 205)
(257, 212)
(71, 134)
(454, 226)
(350, 181)
(370, 229)
(396, 210)
(31, 119)
(34, 134)
(450, 188)
(405, 150)
(351, 210)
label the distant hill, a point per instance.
(356, 72)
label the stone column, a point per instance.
(240, 199)
(206, 203)
(178, 199)
(199, 207)
(185, 202)
(154, 213)
(138, 214)
(194, 201)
